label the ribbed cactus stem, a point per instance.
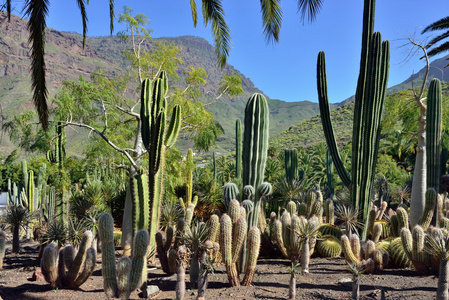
(49, 264)
(241, 228)
(382, 209)
(238, 148)
(2, 247)
(181, 273)
(295, 242)
(330, 211)
(162, 253)
(291, 165)
(429, 208)
(377, 232)
(80, 257)
(226, 249)
(253, 254)
(277, 237)
(291, 207)
(443, 281)
(213, 225)
(109, 271)
(347, 250)
(369, 249)
(230, 192)
(433, 134)
(355, 245)
(402, 218)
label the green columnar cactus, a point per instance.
(255, 146)
(402, 218)
(369, 101)
(429, 208)
(129, 277)
(238, 148)
(2, 247)
(163, 248)
(330, 173)
(190, 166)
(330, 211)
(230, 192)
(347, 251)
(433, 134)
(394, 223)
(140, 201)
(377, 232)
(382, 209)
(213, 225)
(371, 219)
(277, 238)
(253, 254)
(157, 139)
(226, 249)
(291, 165)
(71, 271)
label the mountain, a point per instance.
(66, 59)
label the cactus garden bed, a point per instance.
(270, 282)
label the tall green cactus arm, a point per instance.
(433, 134)
(323, 101)
(145, 107)
(173, 127)
(238, 148)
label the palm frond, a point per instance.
(194, 12)
(37, 11)
(111, 15)
(309, 9)
(213, 12)
(271, 19)
(442, 48)
(84, 18)
(438, 25)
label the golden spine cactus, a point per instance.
(402, 218)
(383, 208)
(253, 254)
(328, 246)
(355, 245)
(398, 255)
(371, 219)
(226, 249)
(277, 236)
(294, 236)
(291, 207)
(330, 211)
(377, 232)
(213, 225)
(347, 250)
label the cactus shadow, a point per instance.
(19, 292)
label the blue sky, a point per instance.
(286, 70)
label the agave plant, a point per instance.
(55, 232)
(17, 217)
(75, 230)
(437, 245)
(170, 213)
(307, 230)
(348, 216)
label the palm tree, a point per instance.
(442, 24)
(212, 11)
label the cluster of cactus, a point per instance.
(2, 247)
(372, 259)
(63, 268)
(157, 139)
(287, 233)
(230, 192)
(233, 230)
(413, 244)
(189, 209)
(378, 228)
(121, 279)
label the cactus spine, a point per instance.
(157, 139)
(120, 281)
(238, 148)
(369, 100)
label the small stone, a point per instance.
(37, 275)
(346, 282)
(152, 289)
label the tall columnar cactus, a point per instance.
(369, 101)
(119, 281)
(238, 148)
(2, 247)
(429, 208)
(255, 147)
(330, 211)
(157, 139)
(190, 168)
(61, 268)
(140, 201)
(433, 136)
(291, 165)
(330, 173)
